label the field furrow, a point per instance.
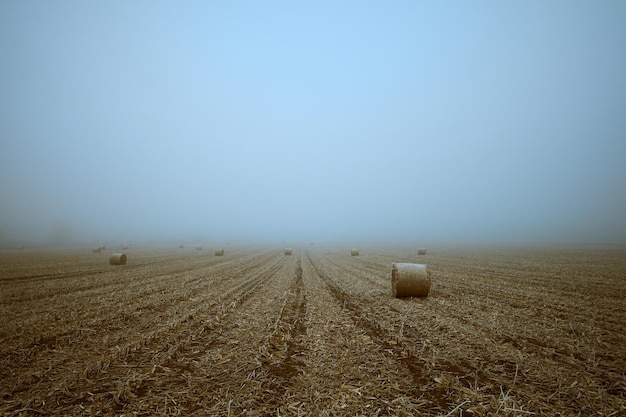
(116, 305)
(477, 340)
(504, 331)
(56, 358)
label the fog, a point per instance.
(329, 121)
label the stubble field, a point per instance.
(504, 331)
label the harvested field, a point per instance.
(503, 331)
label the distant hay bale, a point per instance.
(421, 251)
(118, 259)
(354, 252)
(198, 247)
(219, 252)
(409, 280)
(288, 251)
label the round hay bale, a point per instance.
(288, 251)
(421, 251)
(409, 280)
(118, 259)
(219, 252)
(354, 252)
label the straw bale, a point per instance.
(219, 252)
(421, 251)
(118, 259)
(409, 280)
(354, 252)
(288, 251)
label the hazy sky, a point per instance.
(321, 120)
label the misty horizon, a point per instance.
(279, 122)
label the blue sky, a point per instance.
(299, 121)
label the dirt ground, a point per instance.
(505, 331)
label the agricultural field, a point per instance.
(503, 332)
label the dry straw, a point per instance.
(118, 259)
(421, 251)
(409, 280)
(288, 251)
(219, 252)
(354, 252)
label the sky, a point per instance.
(313, 121)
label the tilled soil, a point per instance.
(504, 331)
